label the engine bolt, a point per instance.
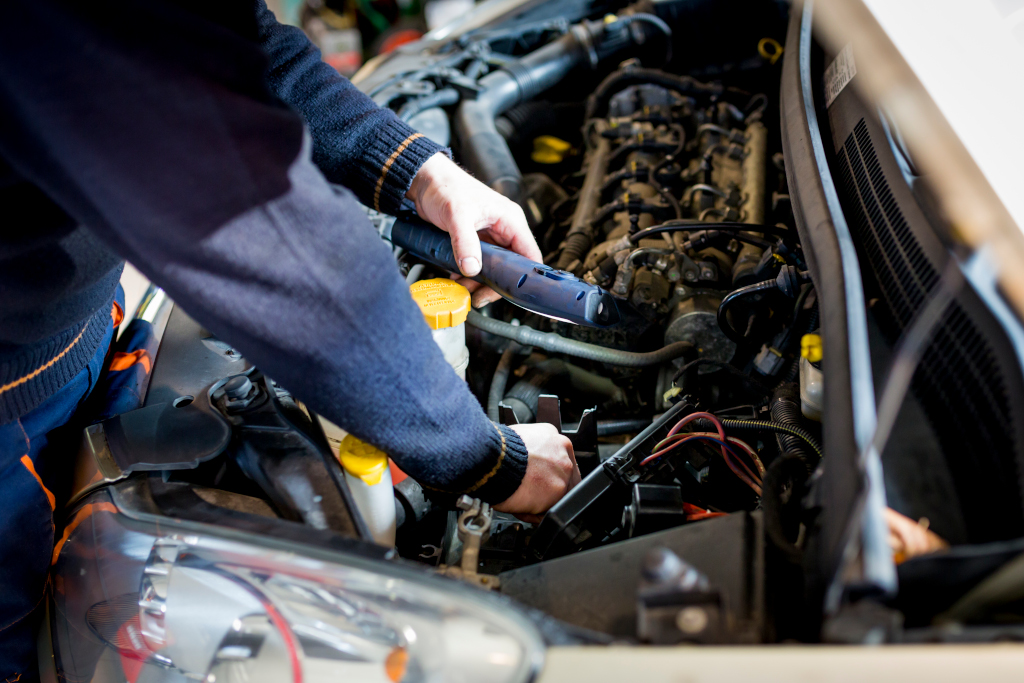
(237, 387)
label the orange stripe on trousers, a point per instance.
(27, 462)
(82, 515)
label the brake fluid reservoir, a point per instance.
(445, 305)
(812, 385)
(369, 480)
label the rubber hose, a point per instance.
(731, 298)
(624, 426)
(549, 341)
(500, 380)
(785, 409)
(779, 518)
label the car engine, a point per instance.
(668, 190)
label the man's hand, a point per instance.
(550, 472)
(462, 206)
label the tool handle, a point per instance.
(531, 285)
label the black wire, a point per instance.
(788, 468)
(705, 236)
(726, 226)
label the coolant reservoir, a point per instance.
(369, 480)
(445, 305)
(812, 384)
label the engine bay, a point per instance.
(669, 192)
(660, 178)
(656, 155)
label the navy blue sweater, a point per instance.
(205, 143)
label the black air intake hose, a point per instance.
(484, 150)
(500, 380)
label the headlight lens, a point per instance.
(221, 611)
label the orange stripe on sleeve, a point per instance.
(85, 513)
(27, 462)
(116, 314)
(42, 368)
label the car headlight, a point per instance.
(221, 611)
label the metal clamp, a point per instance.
(474, 528)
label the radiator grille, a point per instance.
(960, 382)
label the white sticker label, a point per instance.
(840, 72)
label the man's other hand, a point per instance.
(466, 209)
(550, 472)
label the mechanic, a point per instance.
(208, 144)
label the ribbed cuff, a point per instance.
(39, 371)
(507, 472)
(385, 170)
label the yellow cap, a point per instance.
(444, 303)
(362, 460)
(547, 149)
(810, 347)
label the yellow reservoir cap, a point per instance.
(547, 149)
(444, 303)
(810, 347)
(362, 460)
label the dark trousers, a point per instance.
(36, 460)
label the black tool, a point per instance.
(531, 285)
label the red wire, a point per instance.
(279, 622)
(752, 453)
(696, 416)
(289, 639)
(733, 456)
(726, 450)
